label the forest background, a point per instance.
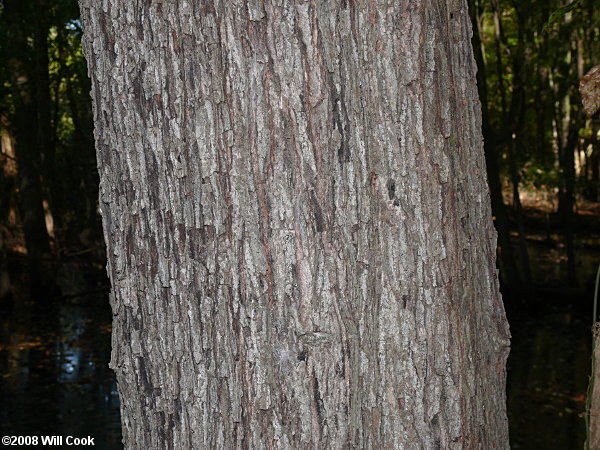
(543, 162)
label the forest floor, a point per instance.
(546, 241)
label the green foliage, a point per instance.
(558, 14)
(34, 34)
(532, 80)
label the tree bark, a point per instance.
(298, 225)
(593, 402)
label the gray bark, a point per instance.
(593, 403)
(298, 224)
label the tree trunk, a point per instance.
(80, 159)
(511, 123)
(508, 267)
(29, 125)
(593, 192)
(298, 225)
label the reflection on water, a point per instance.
(550, 359)
(548, 258)
(548, 370)
(54, 375)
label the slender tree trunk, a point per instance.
(508, 266)
(568, 124)
(593, 161)
(298, 225)
(29, 126)
(593, 401)
(566, 197)
(508, 131)
(567, 137)
(5, 283)
(8, 170)
(515, 145)
(42, 102)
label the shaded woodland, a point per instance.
(539, 145)
(542, 156)
(48, 206)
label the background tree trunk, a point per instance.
(508, 267)
(298, 225)
(31, 132)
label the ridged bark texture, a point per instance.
(298, 224)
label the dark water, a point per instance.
(55, 380)
(54, 375)
(550, 360)
(548, 371)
